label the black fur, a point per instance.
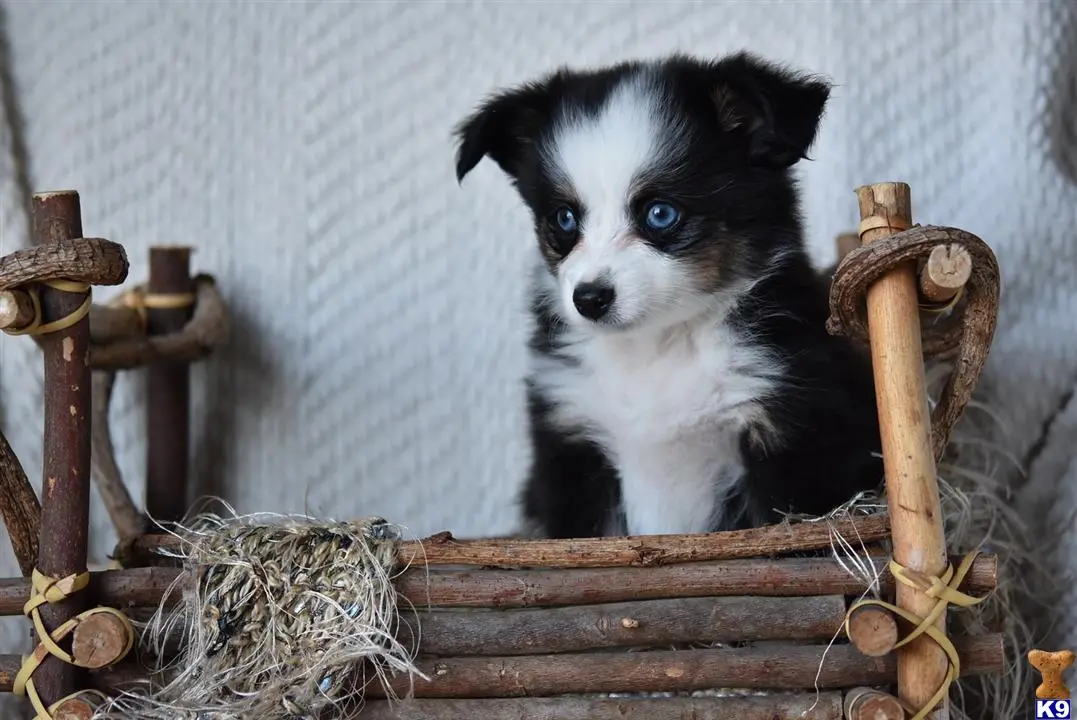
(743, 123)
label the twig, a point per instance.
(786, 577)
(129, 522)
(773, 666)
(807, 706)
(19, 507)
(646, 623)
(443, 549)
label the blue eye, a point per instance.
(566, 219)
(662, 216)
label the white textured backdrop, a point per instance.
(304, 150)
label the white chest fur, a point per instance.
(669, 409)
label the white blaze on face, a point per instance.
(599, 160)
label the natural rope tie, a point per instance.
(37, 327)
(140, 300)
(944, 590)
(46, 590)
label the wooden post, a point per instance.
(911, 484)
(168, 387)
(76, 708)
(99, 641)
(65, 491)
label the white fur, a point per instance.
(669, 407)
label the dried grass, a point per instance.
(288, 608)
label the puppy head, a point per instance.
(657, 188)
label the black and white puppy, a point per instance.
(683, 380)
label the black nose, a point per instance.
(593, 299)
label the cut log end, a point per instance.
(947, 270)
(870, 704)
(16, 310)
(885, 209)
(49, 194)
(873, 630)
(99, 641)
(74, 709)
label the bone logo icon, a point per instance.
(1052, 695)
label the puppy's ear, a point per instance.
(502, 128)
(778, 110)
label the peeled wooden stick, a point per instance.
(16, 309)
(911, 484)
(946, 271)
(864, 703)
